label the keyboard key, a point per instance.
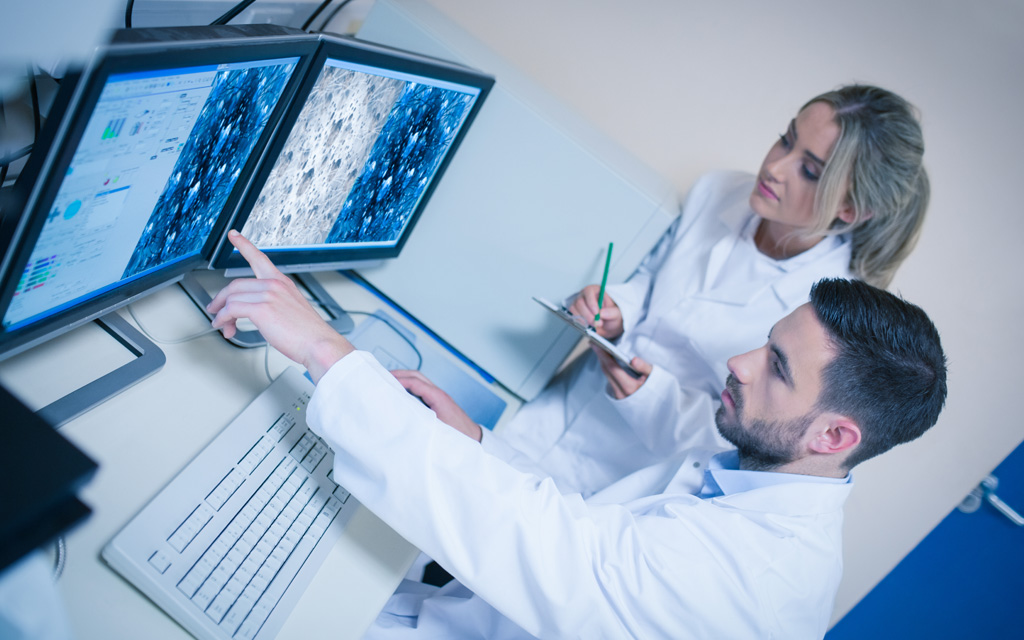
(160, 561)
(190, 527)
(225, 489)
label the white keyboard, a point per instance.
(229, 545)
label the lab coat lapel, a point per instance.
(791, 288)
(731, 222)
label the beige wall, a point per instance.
(693, 86)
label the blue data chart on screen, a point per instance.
(359, 159)
(157, 160)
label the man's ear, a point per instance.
(839, 434)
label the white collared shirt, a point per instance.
(723, 477)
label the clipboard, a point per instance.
(581, 327)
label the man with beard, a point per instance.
(737, 544)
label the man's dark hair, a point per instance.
(889, 371)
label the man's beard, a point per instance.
(763, 444)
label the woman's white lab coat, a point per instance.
(703, 295)
(643, 559)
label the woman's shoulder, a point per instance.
(724, 181)
(720, 195)
(720, 187)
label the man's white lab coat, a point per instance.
(644, 558)
(703, 295)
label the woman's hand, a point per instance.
(620, 383)
(439, 402)
(585, 306)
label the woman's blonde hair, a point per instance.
(876, 167)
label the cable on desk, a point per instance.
(330, 305)
(266, 361)
(401, 335)
(61, 559)
(142, 328)
(333, 306)
(266, 351)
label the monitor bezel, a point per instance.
(373, 55)
(122, 59)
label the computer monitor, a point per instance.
(148, 167)
(351, 171)
(359, 160)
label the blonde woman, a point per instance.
(842, 193)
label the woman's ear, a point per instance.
(847, 214)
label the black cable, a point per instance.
(3, 125)
(232, 12)
(334, 12)
(312, 16)
(128, 14)
(36, 115)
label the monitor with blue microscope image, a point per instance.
(376, 129)
(155, 150)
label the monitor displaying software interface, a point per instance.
(153, 168)
(359, 161)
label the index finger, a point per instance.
(261, 265)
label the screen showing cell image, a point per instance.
(154, 165)
(362, 155)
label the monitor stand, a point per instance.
(198, 285)
(149, 358)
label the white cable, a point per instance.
(60, 560)
(131, 312)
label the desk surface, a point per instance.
(144, 436)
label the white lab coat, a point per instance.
(703, 295)
(643, 559)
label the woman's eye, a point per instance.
(810, 175)
(777, 368)
(784, 140)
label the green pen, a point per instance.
(604, 281)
